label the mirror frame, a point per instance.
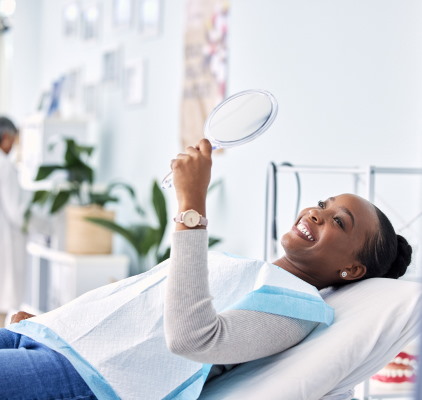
(253, 135)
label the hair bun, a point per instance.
(403, 258)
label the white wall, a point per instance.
(347, 78)
(346, 75)
(25, 75)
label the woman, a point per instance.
(13, 201)
(341, 240)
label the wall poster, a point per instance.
(205, 69)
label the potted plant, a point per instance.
(78, 195)
(146, 238)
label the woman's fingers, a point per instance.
(192, 150)
(180, 156)
(21, 315)
(205, 147)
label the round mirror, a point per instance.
(240, 118)
(237, 120)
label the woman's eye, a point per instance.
(339, 222)
(321, 204)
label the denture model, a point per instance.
(400, 374)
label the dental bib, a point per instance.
(114, 335)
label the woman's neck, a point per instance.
(294, 269)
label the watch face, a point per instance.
(191, 218)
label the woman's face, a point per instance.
(7, 142)
(325, 239)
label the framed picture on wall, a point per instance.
(91, 22)
(71, 19)
(112, 66)
(122, 13)
(149, 17)
(71, 93)
(134, 82)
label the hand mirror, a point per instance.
(239, 119)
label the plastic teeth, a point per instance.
(406, 361)
(302, 228)
(397, 373)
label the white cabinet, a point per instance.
(58, 277)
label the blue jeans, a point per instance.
(30, 370)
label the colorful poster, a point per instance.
(205, 70)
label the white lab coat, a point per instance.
(12, 239)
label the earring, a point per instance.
(343, 274)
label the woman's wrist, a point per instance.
(193, 205)
(200, 208)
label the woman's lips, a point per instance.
(302, 229)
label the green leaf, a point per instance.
(212, 241)
(26, 218)
(75, 153)
(51, 146)
(214, 185)
(88, 150)
(60, 200)
(131, 192)
(81, 173)
(46, 170)
(71, 155)
(160, 207)
(142, 237)
(40, 196)
(129, 235)
(150, 239)
(102, 198)
(163, 256)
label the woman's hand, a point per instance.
(191, 176)
(21, 315)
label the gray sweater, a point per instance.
(193, 328)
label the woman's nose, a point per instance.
(315, 216)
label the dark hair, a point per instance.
(385, 254)
(7, 126)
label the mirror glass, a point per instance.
(240, 118)
(237, 120)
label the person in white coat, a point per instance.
(12, 238)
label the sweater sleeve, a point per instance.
(193, 328)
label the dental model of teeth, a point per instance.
(303, 229)
(399, 375)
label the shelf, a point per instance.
(58, 256)
(58, 277)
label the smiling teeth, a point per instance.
(302, 228)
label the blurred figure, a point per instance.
(12, 207)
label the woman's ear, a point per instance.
(353, 272)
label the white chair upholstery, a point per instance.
(374, 320)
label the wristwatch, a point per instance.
(191, 219)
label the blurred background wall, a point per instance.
(347, 76)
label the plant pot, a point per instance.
(84, 237)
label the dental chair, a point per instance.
(375, 319)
